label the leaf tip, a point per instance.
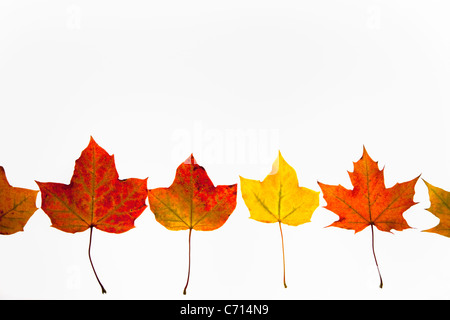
(92, 143)
(3, 178)
(365, 151)
(38, 183)
(190, 160)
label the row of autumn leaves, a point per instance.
(97, 198)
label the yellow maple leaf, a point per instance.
(278, 198)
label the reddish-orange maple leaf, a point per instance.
(17, 205)
(370, 203)
(95, 197)
(192, 202)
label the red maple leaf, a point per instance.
(95, 197)
(192, 202)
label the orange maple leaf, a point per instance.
(95, 197)
(192, 202)
(370, 203)
(17, 205)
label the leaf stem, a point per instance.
(375, 257)
(89, 253)
(189, 265)
(282, 247)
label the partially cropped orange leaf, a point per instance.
(369, 203)
(278, 198)
(440, 207)
(192, 202)
(95, 197)
(17, 205)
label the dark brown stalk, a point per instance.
(189, 265)
(375, 257)
(89, 253)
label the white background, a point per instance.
(232, 82)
